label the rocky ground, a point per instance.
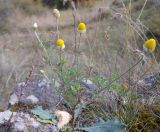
(32, 104)
(25, 98)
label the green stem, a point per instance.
(77, 59)
(57, 27)
(90, 51)
(41, 44)
(61, 65)
(75, 33)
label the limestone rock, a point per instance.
(21, 121)
(35, 92)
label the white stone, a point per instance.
(43, 82)
(13, 99)
(141, 82)
(5, 116)
(89, 82)
(33, 99)
(21, 84)
(35, 124)
(20, 126)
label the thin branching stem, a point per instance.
(77, 59)
(129, 70)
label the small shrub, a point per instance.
(56, 3)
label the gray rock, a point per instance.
(20, 121)
(89, 85)
(13, 99)
(39, 92)
(33, 99)
(5, 116)
(89, 89)
(146, 83)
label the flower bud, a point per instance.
(150, 45)
(56, 13)
(35, 26)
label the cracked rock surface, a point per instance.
(35, 92)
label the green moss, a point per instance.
(21, 107)
(147, 119)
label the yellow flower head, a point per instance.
(82, 27)
(60, 43)
(150, 45)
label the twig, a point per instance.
(27, 81)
